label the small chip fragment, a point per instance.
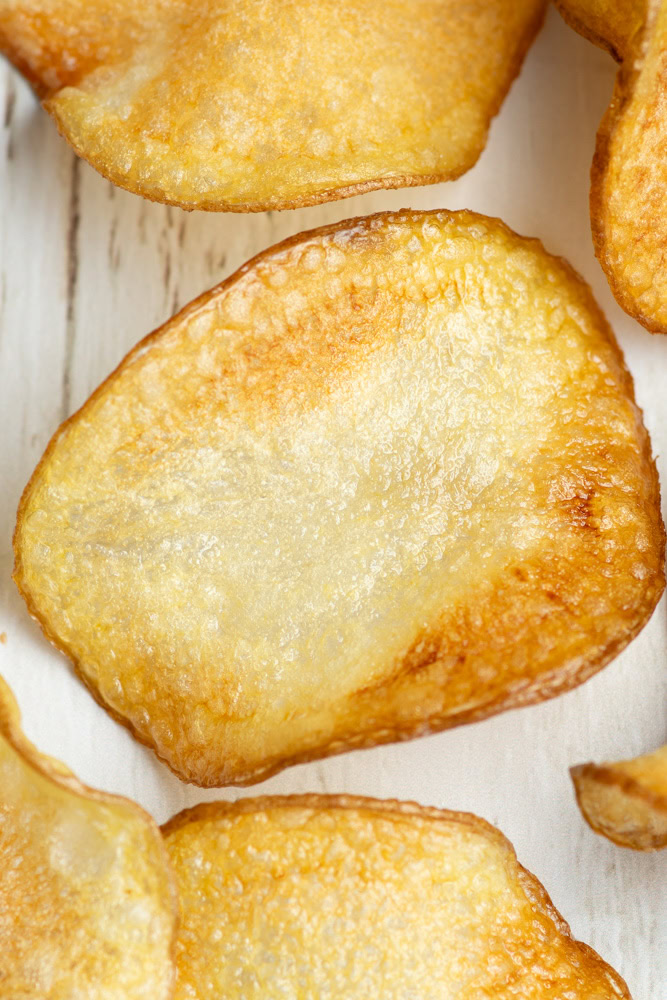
(626, 801)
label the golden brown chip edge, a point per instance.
(626, 75)
(622, 92)
(606, 774)
(402, 809)
(585, 28)
(579, 25)
(13, 55)
(542, 689)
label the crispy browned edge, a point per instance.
(58, 773)
(606, 774)
(584, 29)
(545, 687)
(623, 87)
(531, 885)
(318, 198)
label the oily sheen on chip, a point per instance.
(629, 174)
(87, 903)
(388, 478)
(329, 897)
(626, 801)
(243, 105)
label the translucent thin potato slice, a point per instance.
(244, 105)
(612, 24)
(388, 478)
(87, 903)
(629, 174)
(318, 896)
(626, 801)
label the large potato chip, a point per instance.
(341, 897)
(245, 105)
(87, 902)
(386, 479)
(626, 801)
(629, 175)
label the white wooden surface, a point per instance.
(86, 270)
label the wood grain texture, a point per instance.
(86, 270)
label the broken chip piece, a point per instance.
(626, 801)
(388, 478)
(271, 103)
(319, 896)
(629, 174)
(87, 902)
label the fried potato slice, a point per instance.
(320, 896)
(87, 901)
(629, 173)
(244, 105)
(626, 801)
(388, 478)
(611, 24)
(629, 180)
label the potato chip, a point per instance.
(327, 897)
(388, 478)
(629, 174)
(626, 801)
(244, 105)
(87, 902)
(611, 24)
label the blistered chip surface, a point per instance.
(254, 104)
(388, 478)
(328, 898)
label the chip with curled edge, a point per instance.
(87, 901)
(629, 173)
(388, 478)
(320, 896)
(244, 105)
(626, 801)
